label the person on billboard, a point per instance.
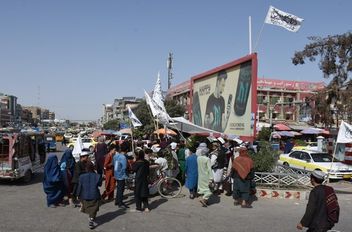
(215, 110)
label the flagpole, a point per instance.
(332, 161)
(132, 137)
(157, 128)
(250, 33)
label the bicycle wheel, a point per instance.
(169, 187)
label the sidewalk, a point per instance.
(342, 186)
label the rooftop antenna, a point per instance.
(169, 69)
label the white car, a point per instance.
(311, 160)
(88, 144)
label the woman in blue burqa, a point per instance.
(67, 165)
(53, 184)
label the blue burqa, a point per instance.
(52, 183)
(68, 158)
(191, 171)
(67, 164)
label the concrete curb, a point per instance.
(282, 194)
(294, 194)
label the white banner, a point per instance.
(345, 133)
(151, 104)
(135, 121)
(283, 19)
(158, 95)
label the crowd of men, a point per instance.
(206, 168)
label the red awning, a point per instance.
(281, 127)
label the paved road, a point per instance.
(23, 208)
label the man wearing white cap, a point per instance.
(322, 210)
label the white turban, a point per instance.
(202, 149)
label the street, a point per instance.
(24, 209)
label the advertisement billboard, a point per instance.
(224, 98)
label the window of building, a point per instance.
(261, 99)
(274, 99)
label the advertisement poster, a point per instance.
(223, 98)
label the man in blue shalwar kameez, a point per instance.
(191, 173)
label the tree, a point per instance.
(143, 113)
(112, 124)
(173, 108)
(335, 54)
(264, 134)
(321, 112)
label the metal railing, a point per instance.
(284, 177)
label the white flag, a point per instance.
(283, 19)
(157, 111)
(151, 104)
(345, 133)
(135, 121)
(78, 147)
(158, 95)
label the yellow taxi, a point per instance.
(311, 160)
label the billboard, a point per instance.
(224, 99)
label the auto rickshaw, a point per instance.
(50, 142)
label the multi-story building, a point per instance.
(26, 116)
(285, 100)
(107, 113)
(36, 112)
(51, 115)
(119, 109)
(181, 93)
(44, 114)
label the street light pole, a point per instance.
(271, 117)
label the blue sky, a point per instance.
(73, 56)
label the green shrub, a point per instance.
(265, 159)
(264, 134)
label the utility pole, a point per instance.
(169, 69)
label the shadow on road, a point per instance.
(155, 204)
(36, 178)
(214, 199)
(101, 219)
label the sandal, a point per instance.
(203, 202)
(236, 203)
(246, 206)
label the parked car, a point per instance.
(87, 143)
(311, 160)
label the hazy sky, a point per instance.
(72, 56)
